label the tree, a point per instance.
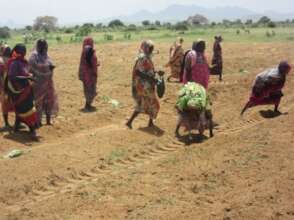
(99, 25)
(45, 23)
(116, 23)
(4, 32)
(89, 25)
(146, 23)
(131, 27)
(181, 26)
(238, 21)
(167, 25)
(249, 22)
(213, 24)
(29, 28)
(264, 20)
(197, 19)
(272, 24)
(83, 31)
(227, 22)
(157, 23)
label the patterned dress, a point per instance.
(144, 89)
(2, 79)
(267, 88)
(21, 91)
(196, 69)
(44, 91)
(217, 60)
(176, 59)
(6, 105)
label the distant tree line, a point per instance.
(47, 24)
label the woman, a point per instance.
(4, 100)
(88, 72)
(196, 66)
(176, 59)
(19, 88)
(217, 60)
(144, 85)
(41, 67)
(194, 109)
(267, 88)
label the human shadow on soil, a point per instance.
(23, 137)
(196, 139)
(5, 129)
(271, 114)
(154, 130)
(85, 111)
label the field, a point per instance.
(89, 166)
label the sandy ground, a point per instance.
(89, 166)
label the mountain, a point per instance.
(181, 12)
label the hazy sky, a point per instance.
(24, 11)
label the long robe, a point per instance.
(176, 59)
(21, 91)
(217, 60)
(88, 74)
(45, 95)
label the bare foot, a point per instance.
(129, 125)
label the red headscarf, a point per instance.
(18, 53)
(88, 41)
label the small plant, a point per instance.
(75, 39)
(268, 34)
(127, 36)
(247, 31)
(108, 37)
(58, 39)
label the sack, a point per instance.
(192, 96)
(160, 86)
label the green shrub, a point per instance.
(272, 24)
(83, 31)
(58, 39)
(127, 36)
(131, 27)
(181, 26)
(108, 37)
(69, 30)
(4, 32)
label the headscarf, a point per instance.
(218, 38)
(88, 41)
(180, 40)
(284, 67)
(147, 47)
(42, 47)
(18, 53)
(199, 46)
(88, 50)
(6, 52)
